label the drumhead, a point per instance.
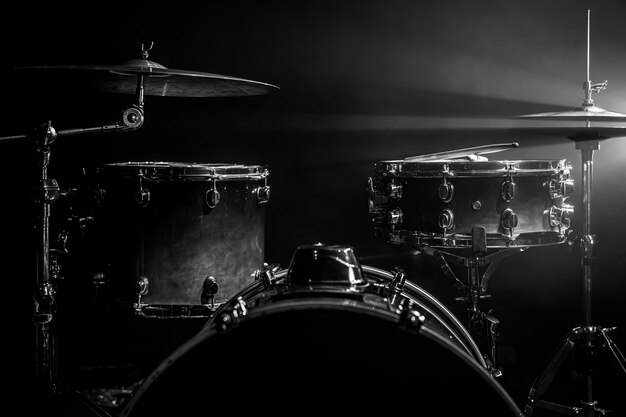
(454, 168)
(185, 171)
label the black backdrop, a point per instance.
(359, 82)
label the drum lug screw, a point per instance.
(476, 205)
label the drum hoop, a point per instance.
(459, 331)
(467, 341)
(479, 367)
(461, 169)
(182, 171)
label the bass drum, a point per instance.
(289, 344)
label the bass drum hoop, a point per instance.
(427, 303)
(264, 311)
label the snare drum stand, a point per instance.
(587, 339)
(476, 287)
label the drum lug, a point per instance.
(374, 198)
(263, 194)
(561, 188)
(209, 289)
(394, 217)
(394, 190)
(142, 287)
(267, 275)
(446, 191)
(559, 216)
(509, 220)
(212, 198)
(509, 190)
(446, 220)
(142, 197)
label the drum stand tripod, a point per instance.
(586, 339)
(476, 287)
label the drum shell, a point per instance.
(475, 194)
(176, 240)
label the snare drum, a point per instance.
(437, 203)
(176, 239)
(327, 335)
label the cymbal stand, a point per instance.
(475, 290)
(588, 338)
(48, 191)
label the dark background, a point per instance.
(360, 82)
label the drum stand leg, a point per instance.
(480, 322)
(587, 339)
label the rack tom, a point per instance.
(174, 239)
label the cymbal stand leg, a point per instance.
(44, 315)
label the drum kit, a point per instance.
(173, 240)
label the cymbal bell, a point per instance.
(583, 113)
(157, 80)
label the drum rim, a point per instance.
(445, 317)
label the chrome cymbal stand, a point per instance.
(480, 266)
(48, 191)
(588, 338)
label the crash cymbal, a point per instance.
(157, 80)
(583, 113)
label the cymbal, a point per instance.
(577, 134)
(583, 113)
(157, 80)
